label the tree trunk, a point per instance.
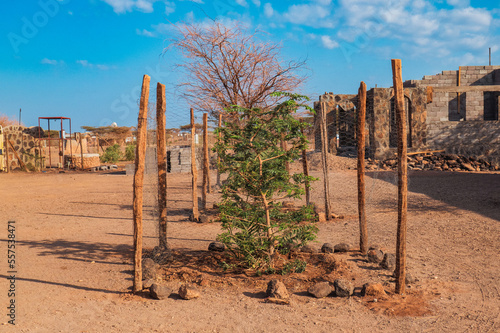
(324, 154)
(142, 127)
(161, 151)
(402, 176)
(363, 232)
(194, 170)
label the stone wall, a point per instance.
(469, 138)
(341, 120)
(380, 120)
(25, 142)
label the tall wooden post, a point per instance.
(305, 169)
(194, 170)
(161, 150)
(324, 154)
(142, 127)
(363, 232)
(402, 176)
(218, 157)
(6, 146)
(284, 146)
(205, 181)
(81, 148)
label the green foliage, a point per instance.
(254, 223)
(130, 153)
(112, 154)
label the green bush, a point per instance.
(255, 224)
(112, 154)
(130, 153)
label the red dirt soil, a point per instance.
(74, 259)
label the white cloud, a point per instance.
(144, 32)
(268, 10)
(309, 15)
(46, 61)
(328, 42)
(256, 2)
(123, 6)
(243, 3)
(169, 7)
(86, 63)
(458, 3)
(417, 26)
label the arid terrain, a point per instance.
(74, 259)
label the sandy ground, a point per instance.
(74, 250)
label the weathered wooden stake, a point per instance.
(194, 170)
(218, 157)
(363, 232)
(205, 182)
(206, 153)
(402, 176)
(284, 146)
(6, 145)
(161, 151)
(81, 148)
(305, 168)
(142, 127)
(324, 154)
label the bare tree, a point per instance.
(227, 65)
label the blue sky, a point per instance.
(85, 59)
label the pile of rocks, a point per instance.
(435, 161)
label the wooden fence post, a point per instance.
(402, 176)
(305, 169)
(161, 151)
(142, 127)
(194, 170)
(81, 148)
(206, 158)
(363, 232)
(218, 157)
(325, 164)
(284, 146)
(6, 146)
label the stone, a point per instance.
(320, 289)
(146, 284)
(308, 249)
(343, 288)
(103, 167)
(327, 248)
(187, 292)
(467, 166)
(373, 289)
(277, 289)
(342, 247)
(206, 218)
(389, 261)
(149, 269)
(113, 167)
(216, 247)
(375, 255)
(159, 291)
(409, 279)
